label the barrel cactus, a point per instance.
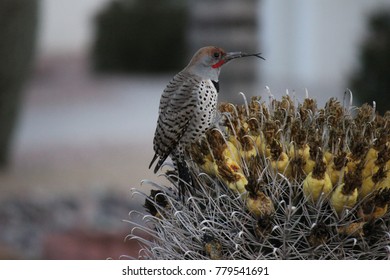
(277, 180)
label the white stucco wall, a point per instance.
(66, 25)
(312, 44)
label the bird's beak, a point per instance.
(233, 55)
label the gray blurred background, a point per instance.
(80, 83)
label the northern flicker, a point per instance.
(188, 105)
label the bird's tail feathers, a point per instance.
(158, 164)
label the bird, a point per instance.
(188, 107)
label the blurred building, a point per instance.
(309, 44)
(232, 25)
(312, 44)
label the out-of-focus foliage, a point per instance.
(18, 24)
(140, 35)
(371, 82)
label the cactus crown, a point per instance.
(283, 180)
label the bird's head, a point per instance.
(207, 61)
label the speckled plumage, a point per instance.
(187, 106)
(187, 109)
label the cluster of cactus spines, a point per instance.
(283, 180)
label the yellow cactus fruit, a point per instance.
(310, 156)
(328, 156)
(372, 154)
(317, 183)
(313, 188)
(295, 152)
(244, 125)
(231, 174)
(267, 151)
(248, 147)
(213, 147)
(376, 206)
(282, 164)
(209, 166)
(308, 166)
(279, 159)
(231, 151)
(345, 195)
(385, 183)
(244, 145)
(355, 229)
(298, 139)
(356, 158)
(335, 168)
(383, 158)
(371, 183)
(369, 168)
(234, 142)
(260, 205)
(269, 131)
(368, 186)
(306, 152)
(201, 155)
(373, 164)
(257, 138)
(375, 213)
(352, 164)
(296, 160)
(208, 162)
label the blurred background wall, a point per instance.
(319, 45)
(232, 25)
(84, 111)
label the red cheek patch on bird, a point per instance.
(218, 64)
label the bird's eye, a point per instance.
(216, 54)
